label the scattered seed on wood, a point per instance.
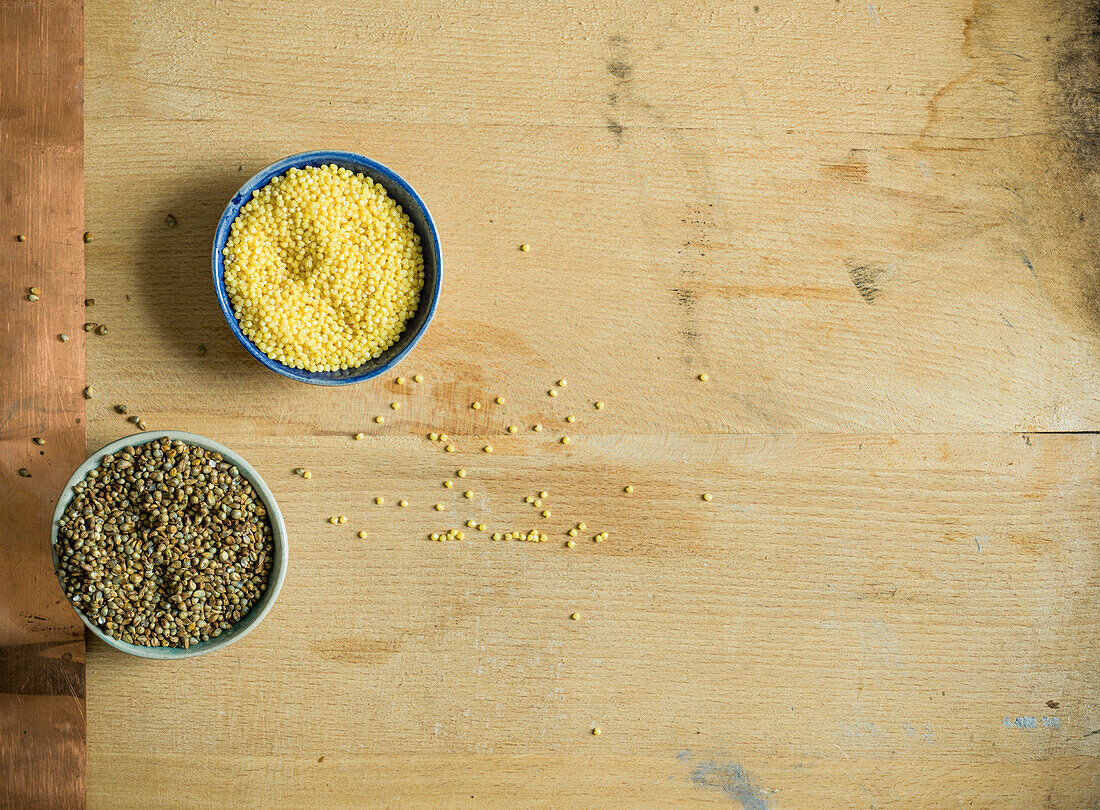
(63, 338)
(38, 440)
(537, 428)
(88, 392)
(476, 406)
(90, 327)
(170, 221)
(32, 297)
(703, 378)
(460, 473)
(433, 437)
(23, 471)
(87, 236)
(379, 419)
(298, 471)
(307, 475)
(481, 527)
(359, 436)
(450, 448)
(402, 503)
(570, 544)
(141, 424)
(565, 440)
(470, 524)
(499, 400)
(574, 615)
(544, 494)
(362, 536)
(20, 238)
(395, 405)
(628, 489)
(598, 406)
(581, 526)
(133, 419)
(400, 381)
(525, 247)
(596, 731)
(707, 496)
(89, 302)
(512, 428)
(448, 484)
(545, 513)
(380, 500)
(418, 378)
(552, 392)
(342, 519)
(572, 533)
(334, 520)
(101, 329)
(439, 507)
(487, 448)
(468, 494)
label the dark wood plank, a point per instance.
(42, 717)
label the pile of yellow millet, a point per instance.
(323, 269)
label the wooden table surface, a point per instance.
(872, 223)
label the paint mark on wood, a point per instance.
(721, 775)
(1031, 723)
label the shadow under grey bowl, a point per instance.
(278, 535)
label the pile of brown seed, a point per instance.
(164, 545)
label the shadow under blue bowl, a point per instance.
(410, 203)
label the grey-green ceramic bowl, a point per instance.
(278, 532)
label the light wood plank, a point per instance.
(872, 225)
(846, 603)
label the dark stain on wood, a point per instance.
(868, 278)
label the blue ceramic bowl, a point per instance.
(410, 203)
(278, 532)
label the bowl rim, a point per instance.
(278, 532)
(260, 179)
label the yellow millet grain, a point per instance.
(323, 269)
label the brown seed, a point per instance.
(90, 327)
(120, 409)
(88, 392)
(38, 440)
(202, 349)
(24, 472)
(88, 302)
(63, 338)
(141, 424)
(170, 221)
(87, 236)
(133, 419)
(101, 329)
(20, 238)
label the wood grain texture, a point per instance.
(872, 225)
(42, 720)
